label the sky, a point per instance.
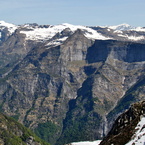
(77, 12)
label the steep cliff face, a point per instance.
(125, 127)
(65, 82)
(109, 75)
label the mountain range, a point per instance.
(67, 82)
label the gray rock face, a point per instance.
(73, 86)
(13, 48)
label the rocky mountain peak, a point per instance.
(11, 27)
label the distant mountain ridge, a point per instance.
(122, 27)
(46, 32)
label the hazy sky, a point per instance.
(82, 12)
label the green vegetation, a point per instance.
(81, 122)
(10, 139)
(73, 132)
(16, 117)
(80, 128)
(14, 133)
(47, 131)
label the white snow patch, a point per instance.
(92, 34)
(11, 27)
(87, 143)
(122, 27)
(139, 29)
(41, 33)
(47, 33)
(118, 31)
(56, 42)
(89, 33)
(136, 38)
(139, 136)
(121, 35)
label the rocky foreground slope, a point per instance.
(14, 133)
(69, 83)
(129, 128)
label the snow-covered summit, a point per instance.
(126, 27)
(48, 32)
(11, 27)
(122, 27)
